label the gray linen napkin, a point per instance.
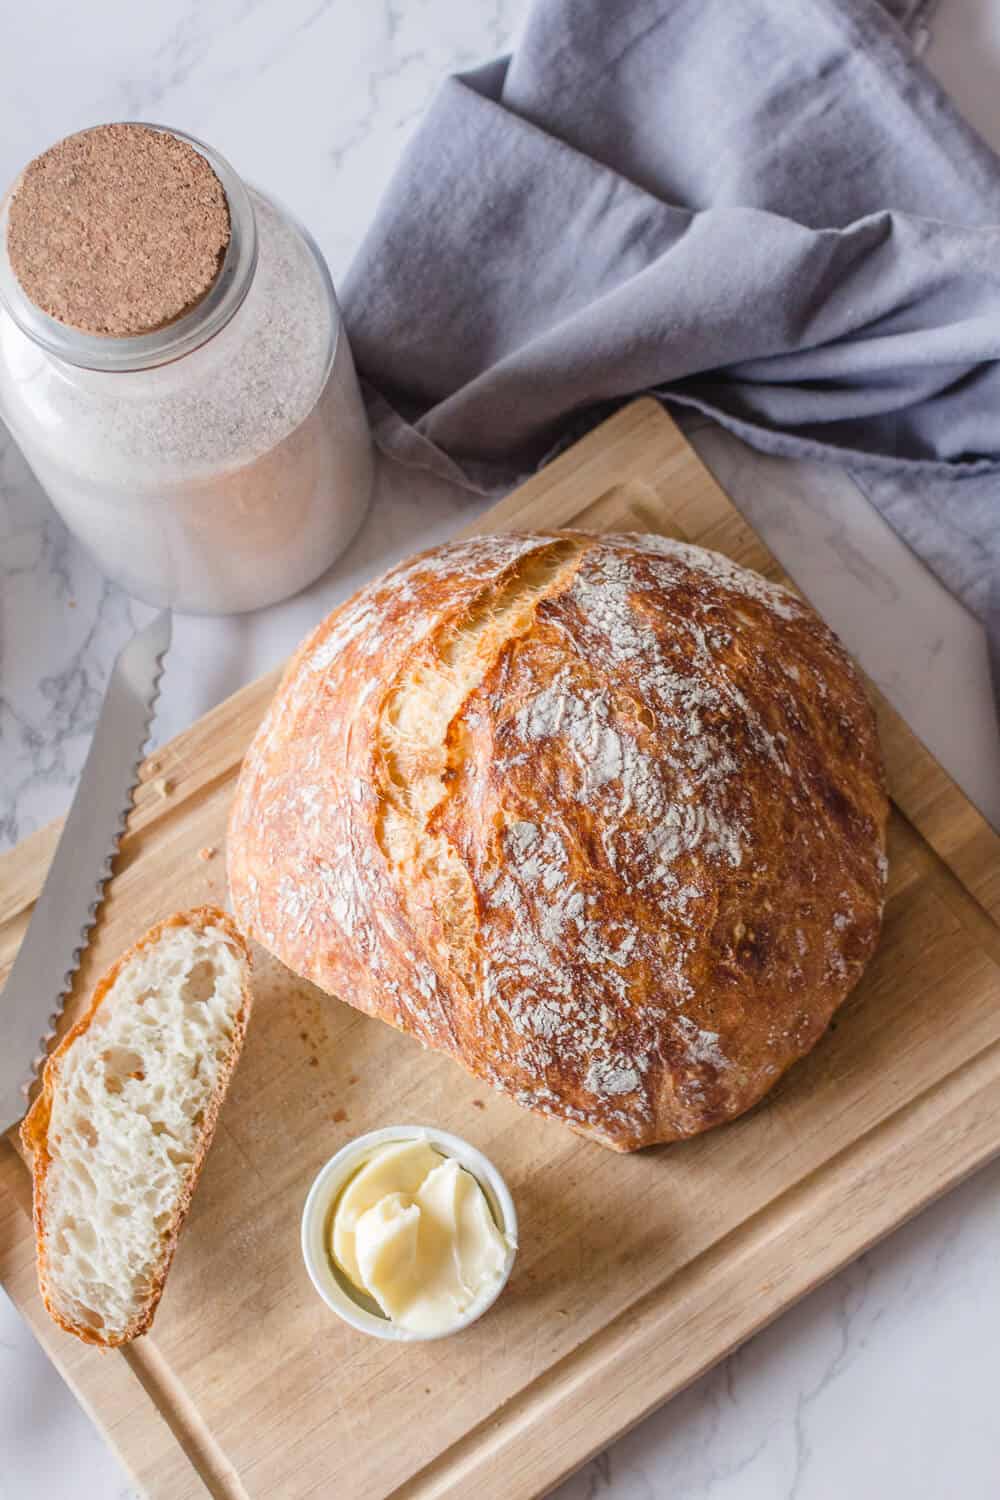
(763, 209)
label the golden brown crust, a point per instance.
(34, 1127)
(661, 799)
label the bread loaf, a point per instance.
(601, 817)
(126, 1114)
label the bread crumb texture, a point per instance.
(601, 817)
(125, 1118)
(118, 230)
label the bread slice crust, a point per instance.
(35, 1126)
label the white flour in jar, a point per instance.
(226, 479)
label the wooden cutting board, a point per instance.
(635, 1274)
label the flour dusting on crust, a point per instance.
(637, 865)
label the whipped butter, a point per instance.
(414, 1230)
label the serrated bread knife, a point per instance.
(64, 913)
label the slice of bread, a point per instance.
(126, 1115)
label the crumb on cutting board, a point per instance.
(339, 1116)
(207, 852)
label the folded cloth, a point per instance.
(767, 211)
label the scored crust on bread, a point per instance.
(601, 817)
(125, 1117)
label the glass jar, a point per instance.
(219, 463)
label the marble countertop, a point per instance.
(881, 1382)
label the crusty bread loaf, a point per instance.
(602, 817)
(125, 1117)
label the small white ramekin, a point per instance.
(346, 1301)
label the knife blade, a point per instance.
(37, 986)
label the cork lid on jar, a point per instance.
(118, 231)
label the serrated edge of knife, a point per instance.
(103, 876)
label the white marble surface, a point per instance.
(881, 1383)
